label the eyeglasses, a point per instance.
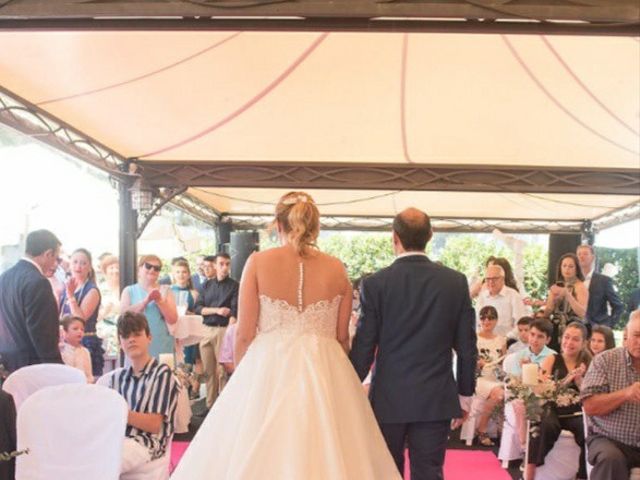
(488, 317)
(150, 266)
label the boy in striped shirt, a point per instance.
(151, 392)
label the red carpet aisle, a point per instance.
(458, 465)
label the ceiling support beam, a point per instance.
(409, 177)
(613, 17)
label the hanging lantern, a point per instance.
(141, 196)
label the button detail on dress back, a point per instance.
(300, 285)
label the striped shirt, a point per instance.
(154, 390)
(609, 372)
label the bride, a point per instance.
(294, 408)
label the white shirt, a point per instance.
(77, 357)
(587, 279)
(509, 305)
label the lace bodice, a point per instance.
(319, 318)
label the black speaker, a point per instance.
(242, 245)
(559, 244)
(224, 235)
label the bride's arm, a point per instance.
(248, 309)
(344, 314)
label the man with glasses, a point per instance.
(28, 312)
(505, 300)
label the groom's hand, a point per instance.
(457, 422)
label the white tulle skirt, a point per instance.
(294, 409)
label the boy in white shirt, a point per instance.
(72, 351)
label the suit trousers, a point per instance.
(611, 459)
(210, 348)
(427, 445)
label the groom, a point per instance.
(414, 313)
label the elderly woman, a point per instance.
(568, 297)
(110, 306)
(154, 301)
(81, 298)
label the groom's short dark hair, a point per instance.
(413, 228)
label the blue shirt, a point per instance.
(516, 369)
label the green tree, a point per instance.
(626, 260)
(361, 253)
(468, 254)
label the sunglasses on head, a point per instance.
(149, 266)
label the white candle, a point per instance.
(530, 374)
(168, 359)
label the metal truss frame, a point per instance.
(615, 17)
(380, 176)
(440, 224)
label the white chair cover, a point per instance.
(562, 462)
(468, 429)
(510, 363)
(73, 432)
(105, 380)
(510, 448)
(28, 380)
(155, 470)
(183, 412)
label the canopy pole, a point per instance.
(128, 233)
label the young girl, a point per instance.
(72, 351)
(491, 348)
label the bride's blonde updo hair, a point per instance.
(299, 218)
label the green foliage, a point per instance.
(361, 253)
(468, 254)
(535, 264)
(627, 278)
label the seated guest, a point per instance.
(72, 351)
(151, 392)
(568, 368)
(506, 300)
(539, 335)
(491, 349)
(523, 325)
(611, 397)
(601, 339)
(226, 352)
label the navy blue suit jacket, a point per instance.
(414, 313)
(601, 293)
(29, 327)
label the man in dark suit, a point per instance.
(414, 313)
(29, 327)
(602, 294)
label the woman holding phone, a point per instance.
(568, 297)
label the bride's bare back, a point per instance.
(275, 273)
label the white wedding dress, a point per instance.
(293, 410)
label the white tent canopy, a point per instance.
(363, 101)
